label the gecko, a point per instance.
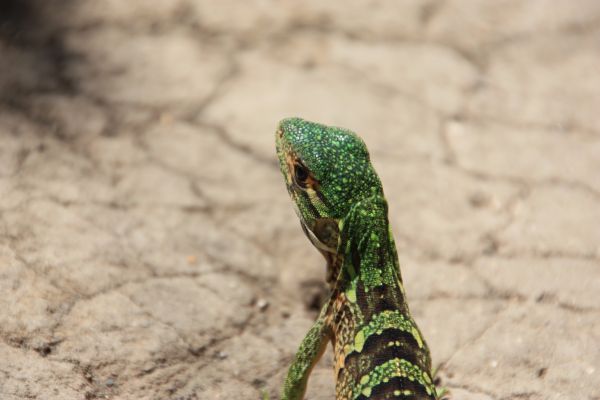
(379, 352)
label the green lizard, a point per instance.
(379, 351)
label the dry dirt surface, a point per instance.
(148, 248)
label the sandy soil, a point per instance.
(148, 249)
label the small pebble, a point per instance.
(166, 119)
(192, 260)
(148, 368)
(262, 304)
(479, 200)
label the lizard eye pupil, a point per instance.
(300, 173)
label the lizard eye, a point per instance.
(300, 173)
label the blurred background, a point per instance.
(148, 248)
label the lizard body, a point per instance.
(379, 351)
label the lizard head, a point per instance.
(326, 170)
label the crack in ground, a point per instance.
(472, 389)
(473, 339)
(572, 127)
(241, 148)
(548, 254)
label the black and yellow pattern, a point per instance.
(379, 350)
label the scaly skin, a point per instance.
(379, 350)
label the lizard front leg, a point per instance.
(311, 349)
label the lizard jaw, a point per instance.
(315, 240)
(329, 253)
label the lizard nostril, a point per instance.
(279, 133)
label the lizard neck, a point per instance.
(370, 273)
(377, 343)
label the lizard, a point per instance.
(379, 352)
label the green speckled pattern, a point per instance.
(379, 351)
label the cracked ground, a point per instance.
(148, 248)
